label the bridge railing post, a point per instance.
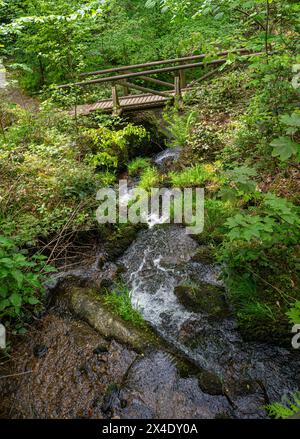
(125, 88)
(178, 93)
(182, 75)
(116, 102)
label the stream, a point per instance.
(250, 373)
(80, 372)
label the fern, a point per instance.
(294, 313)
(288, 407)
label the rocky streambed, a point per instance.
(189, 361)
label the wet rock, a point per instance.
(93, 276)
(203, 297)
(210, 383)
(248, 397)
(204, 255)
(111, 400)
(70, 381)
(87, 304)
(118, 242)
(100, 350)
(154, 389)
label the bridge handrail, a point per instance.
(153, 72)
(160, 62)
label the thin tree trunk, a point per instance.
(267, 30)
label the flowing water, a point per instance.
(166, 157)
(158, 261)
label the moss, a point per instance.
(203, 297)
(210, 383)
(118, 300)
(204, 256)
(120, 238)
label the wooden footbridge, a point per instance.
(120, 77)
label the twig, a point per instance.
(15, 374)
(252, 18)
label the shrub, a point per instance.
(138, 165)
(22, 279)
(150, 178)
(259, 254)
(204, 143)
(179, 126)
(196, 175)
(112, 149)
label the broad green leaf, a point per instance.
(16, 300)
(284, 148)
(4, 304)
(292, 121)
(33, 300)
(18, 276)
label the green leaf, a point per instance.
(294, 313)
(228, 194)
(6, 242)
(22, 331)
(33, 300)
(3, 291)
(285, 148)
(16, 300)
(4, 304)
(18, 276)
(292, 121)
(7, 262)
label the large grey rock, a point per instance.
(88, 305)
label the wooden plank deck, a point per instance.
(127, 103)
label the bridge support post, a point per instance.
(125, 88)
(116, 103)
(182, 76)
(178, 93)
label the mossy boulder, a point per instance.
(210, 383)
(203, 297)
(88, 305)
(118, 240)
(204, 255)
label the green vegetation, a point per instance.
(21, 280)
(294, 313)
(239, 133)
(149, 178)
(196, 175)
(112, 149)
(179, 126)
(118, 300)
(285, 410)
(138, 165)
